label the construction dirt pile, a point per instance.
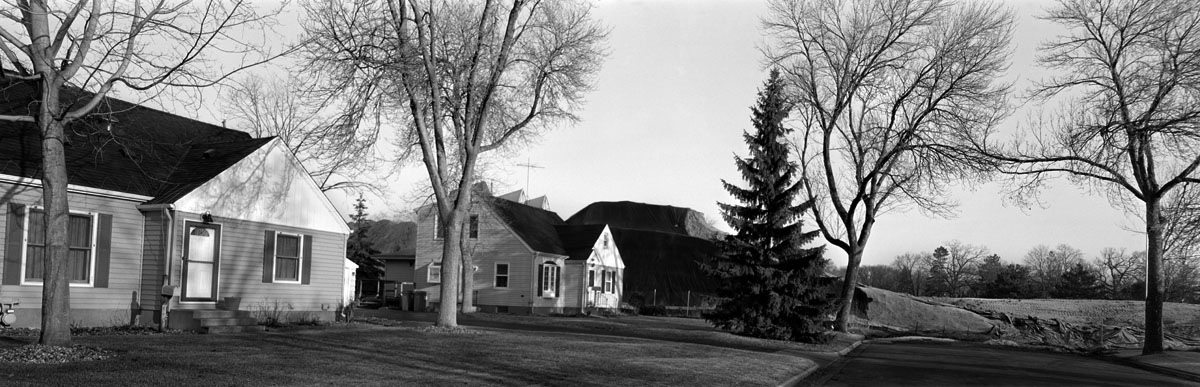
(1076, 325)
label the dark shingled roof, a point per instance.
(579, 240)
(121, 146)
(533, 225)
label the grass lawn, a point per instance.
(362, 354)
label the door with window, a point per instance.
(201, 261)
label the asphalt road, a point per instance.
(957, 364)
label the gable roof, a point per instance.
(121, 146)
(533, 225)
(578, 240)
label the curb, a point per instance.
(1172, 372)
(795, 380)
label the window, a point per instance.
(548, 278)
(434, 274)
(608, 280)
(80, 245)
(472, 227)
(501, 275)
(287, 257)
(606, 241)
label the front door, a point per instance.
(201, 261)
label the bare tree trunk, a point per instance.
(842, 322)
(468, 280)
(56, 290)
(451, 270)
(1153, 342)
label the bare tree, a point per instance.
(336, 150)
(1119, 270)
(462, 78)
(93, 47)
(912, 269)
(961, 267)
(886, 91)
(1127, 76)
(1047, 265)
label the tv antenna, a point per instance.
(528, 166)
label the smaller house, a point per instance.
(526, 258)
(162, 205)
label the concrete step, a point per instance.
(232, 329)
(215, 313)
(214, 322)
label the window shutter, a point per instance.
(558, 279)
(269, 257)
(103, 250)
(541, 283)
(306, 260)
(14, 243)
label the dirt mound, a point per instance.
(897, 313)
(1106, 312)
(647, 217)
(1076, 325)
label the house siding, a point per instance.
(496, 243)
(241, 269)
(114, 305)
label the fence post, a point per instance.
(689, 304)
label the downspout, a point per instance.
(168, 247)
(534, 285)
(169, 234)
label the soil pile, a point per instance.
(1076, 325)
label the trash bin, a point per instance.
(406, 300)
(419, 301)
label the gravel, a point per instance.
(49, 354)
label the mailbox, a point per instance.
(170, 291)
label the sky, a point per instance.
(666, 117)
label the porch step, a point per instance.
(216, 322)
(232, 329)
(218, 313)
(225, 321)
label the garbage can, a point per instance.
(406, 300)
(419, 301)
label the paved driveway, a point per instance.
(930, 364)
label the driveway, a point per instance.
(960, 364)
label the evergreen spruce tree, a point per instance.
(773, 286)
(358, 247)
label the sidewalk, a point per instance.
(1179, 364)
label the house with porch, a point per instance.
(162, 205)
(525, 258)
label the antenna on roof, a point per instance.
(528, 166)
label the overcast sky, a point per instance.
(666, 118)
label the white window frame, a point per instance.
(433, 273)
(608, 280)
(95, 230)
(507, 275)
(549, 286)
(299, 259)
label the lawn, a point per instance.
(367, 354)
